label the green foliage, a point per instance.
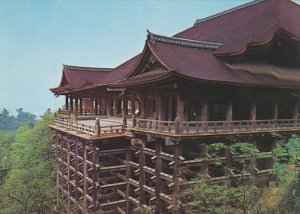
(244, 149)
(29, 186)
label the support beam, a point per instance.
(125, 106)
(71, 104)
(133, 100)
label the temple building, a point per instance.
(133, 136)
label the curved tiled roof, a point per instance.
(76, 77)
(253, 23)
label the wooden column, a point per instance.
(159, 112)
(275, 111)
(253, 111)
(296, 109)
(85, 182)
(229, 111)
(68, 174)
(158, 183)
(67, 102)
(144, 106)
(177, 175)
(228, 162)
(128, 187)
(80, 106)
(108, 106)
(96, 106)
(125, 106)
(76, 105)
(133, 99)
(180, 106)
(142, 174)
(204, 110)
(71, 104)
(204, 154)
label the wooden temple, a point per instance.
(131, 138)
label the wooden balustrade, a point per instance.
(198, 127)
(86, 129)
(183, 127)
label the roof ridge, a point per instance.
(228, 11)
(87, 68)
(183, 42)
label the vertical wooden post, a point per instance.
(67, 102)
(204, 155)
(85, 183)
(144, 106)
(253, 111)
(180, 106)
(68, 174)
(228, 163)
(128, 187)
(204, 110)
(133, 105)
(229, 111)
(95, 177)
(158, 183)
(80, 106)
(96, 106)
(71, 104)
(177, 175)
(142, 174)
(275, 110)
(125, 106)
(159, 112)
(296, 109)
(76, 105)
(108, 106)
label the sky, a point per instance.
(38, 37)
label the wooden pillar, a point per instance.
(204, 154)
(159, 112)
(68, 174)
(275, 111)
(76, 104)
(144, 106)
(177, 175)
(229, 111)
(71, 104)
(108, 106)
(253, 111)
(204, 110)
(95, 177)
(96, 106)
(296, 109)
(180, 106)
(228, 163)
(85, 183)
(170, 107)
(158, 183)
(142, 174)
(80, 106)
(133, 100)
(128, 187)
(67, 102)
(125, 106)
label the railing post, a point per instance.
(178, 125)
(97, 128)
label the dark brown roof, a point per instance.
(76, 77)
(253, 23)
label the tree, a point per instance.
(30, 184)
